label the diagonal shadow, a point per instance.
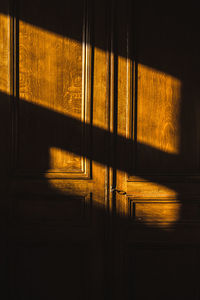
(44, 122)
(168, 49)
(171, 49)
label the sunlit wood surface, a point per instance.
(100, 140)
(4, 53)
(159, 109)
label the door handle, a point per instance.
(113, 189)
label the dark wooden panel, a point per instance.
(50, 271)
(56, 209)
(162, 273)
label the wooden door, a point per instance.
(157, 185)
(100, 150)
(54, 98)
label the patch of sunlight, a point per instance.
(158, 213)
(4, 53)
(124, 94)
(148, 187)
(60, 159)
(159, 109)
(52, 70)
(154, 203)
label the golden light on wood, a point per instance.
(59, 159)
(124, 93)
(149, 189)
(154, 204)
(52, 75)
(51, 70)
(159, 108)
(157, 214)
(4, 53)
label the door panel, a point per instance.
(158, 120)
(157, 186)
(168, 68)
(43, 272)
(175, 265)
(52, 75)
(57, 200)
